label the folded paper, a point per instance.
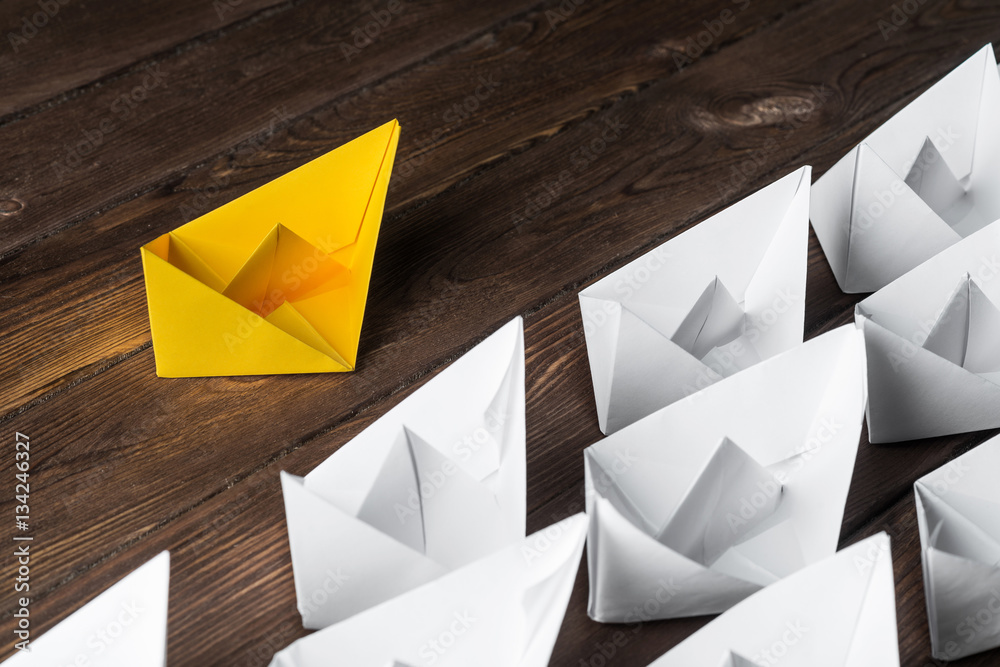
(918, 184)
(702, 503)
(502, 610)
(933, 344)
(125, 626)
(434, 484)
(839, 612)
(958, 514)
(710, 302)
(275, 281)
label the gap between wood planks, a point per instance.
(150, 59)
(406, 383)
(377, 400)
(418, 203)
(432, 367)
(177, 174)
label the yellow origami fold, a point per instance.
(275, 281)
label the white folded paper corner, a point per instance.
(736, 660)
(502, 610)
(702, 503)
(712, 301)
(125, 626)
(933, 344)
(958, 514)
(434, 484)
(839, 612)
(919, 183)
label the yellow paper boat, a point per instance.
(275, 281)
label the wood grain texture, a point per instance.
(437, 154)
(102, 148)
(37, 70)
(127, 464)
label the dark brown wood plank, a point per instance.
(99, 149)
(525, 106)
(404, 346)
(128, 438)
(38, 68)
(692, 129)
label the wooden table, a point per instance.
(120, 120)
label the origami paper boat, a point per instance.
(712, 301)
(436, 483)
(275, 281)
(839, 612)
(933, 344)
(502, 610)
(958, 513)
(125, 626)
(706, 501)
(923, 181)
